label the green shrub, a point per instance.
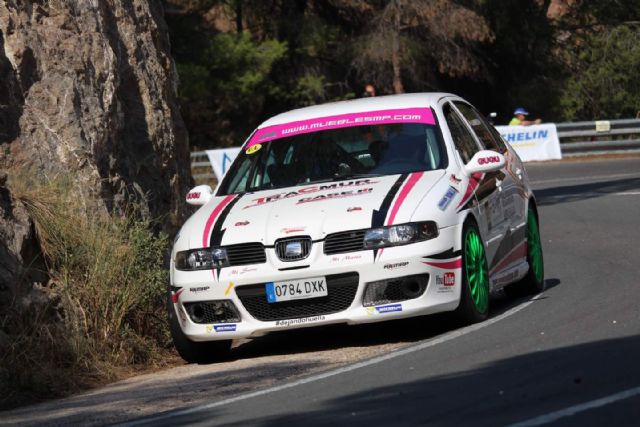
(108, 286)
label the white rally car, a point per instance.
(352, 212)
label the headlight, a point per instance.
(202, 259)
(397, 235)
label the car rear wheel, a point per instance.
(474, 295)
(533, 282)
(192, 351)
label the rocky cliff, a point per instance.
(87, 89)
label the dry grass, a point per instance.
(108, 283)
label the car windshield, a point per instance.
(336, 154)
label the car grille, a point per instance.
(341, 289)
(246, 253)
(304, 247)
(348, 241)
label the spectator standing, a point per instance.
(520, 118)
(369, 90)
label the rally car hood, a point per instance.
(314, 210)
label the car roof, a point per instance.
(360, 105)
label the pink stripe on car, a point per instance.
(411, 182)
(212, 218)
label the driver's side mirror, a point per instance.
(199, 195)
(485, 161)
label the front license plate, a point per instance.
(312, 287)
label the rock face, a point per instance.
(18, 247)
(88, 88)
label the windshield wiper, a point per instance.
(354, 176)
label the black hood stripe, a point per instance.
(378, 216)
(218, 232)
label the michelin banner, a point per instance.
(536, 142)
(221, 159)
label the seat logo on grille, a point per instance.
(293, 248)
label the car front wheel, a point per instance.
(474, 295)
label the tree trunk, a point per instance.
(398, 87)
(239, 16)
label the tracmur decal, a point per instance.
(348, 193)
(309, 190)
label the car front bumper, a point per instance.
(436, 258)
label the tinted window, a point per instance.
(481, 128)
(337, 154)
(462, 138)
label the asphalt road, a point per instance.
(570, 356)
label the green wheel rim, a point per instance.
(534, 247)
(475, 265)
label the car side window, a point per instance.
(481, 128)
(463, 140)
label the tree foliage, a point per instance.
(228, 84)
(601, 56)
(604, 83)
(417, 39)
(241, 62)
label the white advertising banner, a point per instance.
(536, 142)
(221, 159)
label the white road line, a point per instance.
(421, 346)
(628, 193)
(572, 410)
(587, 178)
(603, 194)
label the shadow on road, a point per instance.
(575, 193)
(502, 392)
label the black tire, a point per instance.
(470, 311)
(192, 351)
(531, 283)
